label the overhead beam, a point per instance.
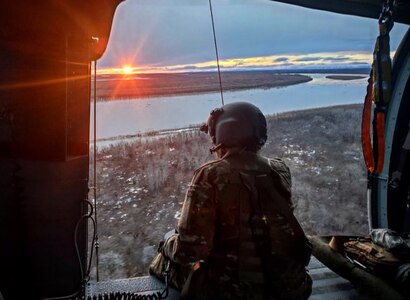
(361, 8)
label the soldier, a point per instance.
(237, 224)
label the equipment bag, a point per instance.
(372, 257)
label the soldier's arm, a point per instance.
(196, 225)
(283, 172)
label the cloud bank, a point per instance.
(177, 34)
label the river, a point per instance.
(130, 117)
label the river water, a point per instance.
(130, 117)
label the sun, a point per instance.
(127, 69)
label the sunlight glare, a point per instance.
(127, 69)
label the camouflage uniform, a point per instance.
(214, 227)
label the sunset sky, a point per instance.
(176, 35)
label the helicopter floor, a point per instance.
(326, 285)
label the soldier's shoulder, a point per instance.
(212, 171)
(280, 168)
(278, 165)
(213, 166)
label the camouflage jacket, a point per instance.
(214, 227)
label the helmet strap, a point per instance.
(215, 148)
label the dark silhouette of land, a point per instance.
(345, 77)
(112, 87)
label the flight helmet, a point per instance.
(236, 124)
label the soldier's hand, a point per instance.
(160, 246)
(168, 244)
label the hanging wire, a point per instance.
(159, 295)
(96, 244)
(216, 52)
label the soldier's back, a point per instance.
(235, 267)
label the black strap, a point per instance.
(260, 233)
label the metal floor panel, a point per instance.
(144, 285)
(327, 285)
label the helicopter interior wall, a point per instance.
(44, 137)
(41, 210)
(46, 49)
(388, 205)
(398, 204)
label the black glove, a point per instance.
(160, 246)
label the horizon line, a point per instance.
(318, 60)
(295, 69)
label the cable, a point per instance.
(84, 275)
(96, 244)
(216, 52)
(92, 249)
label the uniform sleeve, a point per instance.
(285, 180)
(196, 226)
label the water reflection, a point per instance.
(130, 117)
